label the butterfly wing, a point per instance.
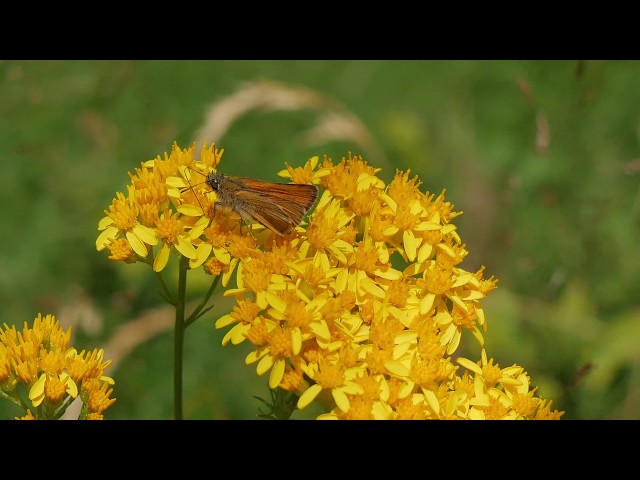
(278, 206)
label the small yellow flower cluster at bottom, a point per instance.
(37, 361)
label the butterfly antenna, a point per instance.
(192, 187)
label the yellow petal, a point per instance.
(320, 329)
(36, 394)
(389, 273)
(384, 390)
(203, 251)
(255, 355)
(176, 182)
(455, 341)
(478, 335)
(427, 226)
(458, 301)
(337, 253)
(462, 279)
(425, 252)
(449, 228)
(309, 396)
(264, 364)
(261, 300)
(275, 301)
(226, 276)
(296, 340)
(186, 248)
(71, 387)
(409, 242)
(226, 339)
(444, 318)
(381, 411)
(223, 255)
(224, 321)
(389, 201)
(400, 349)
(469, 365)
(405, 389)
(383, 252)
(414, 269)
(365, 180)
(426, 303)
(406, 336)
(371, 287)
(432, 400)
(313, 161)
(340, 284)
(103, 238)
(146, 234)
(277, 373)
(138, 246)
(342, 401)
(162, 258)
(476, 414)
(238, 333)
(448, 334)
(470, 295)
(446, 249)
(397, 368)
(390, 231)
(190, 210)
(105, 222)
(199, 228)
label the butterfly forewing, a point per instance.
(298, 193)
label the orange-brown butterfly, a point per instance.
(278, 206)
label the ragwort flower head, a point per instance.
(37, 363)
(169, 210)
(362, 309)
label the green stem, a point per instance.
(165, 289)
(18, 401)
(179, 337)
(195, 314)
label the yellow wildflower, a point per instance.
(38, 364)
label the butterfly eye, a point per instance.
(214, 181)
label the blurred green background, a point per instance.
(543, 158)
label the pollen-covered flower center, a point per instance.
(365, 258)
(258, 333)
(525, 405)
(329, 376)
(169, 228)
(491, 374)
(322, 231)
(298, 315)
(54, 389)
(122, 213)
(436, 280)
(256, 279)
(280, 343)
(120, 249)
(363, 200)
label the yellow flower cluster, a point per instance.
(38, 361)
(363, 309)
(163, 207)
